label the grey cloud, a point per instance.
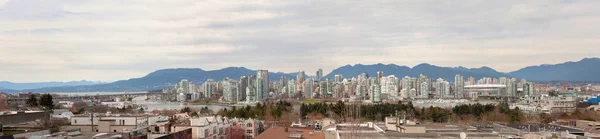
(138, 37)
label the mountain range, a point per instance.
(583, 70)
(5, 85)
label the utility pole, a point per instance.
(92, 119)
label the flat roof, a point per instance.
(279, 133)
(538, 128)
(486, 86)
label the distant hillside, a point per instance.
(587, 69)
(431, 71)
(21, 86)
(584, 70)
(165, 78)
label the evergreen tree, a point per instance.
(46, 102)
(32, 101)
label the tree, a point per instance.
(46, 102)
(546, 118)
(186, 110)
(32, 101)
(194, 114)
(236, 132)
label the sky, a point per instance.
(109, 40)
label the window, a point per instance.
(248, 131)
(249, 137)
(75, 121)
(249, 125)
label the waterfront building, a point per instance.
(209, 88)
(230, 90)
(242, 85)
(262, 82)
(186, 91)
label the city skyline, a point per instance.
(109, 41)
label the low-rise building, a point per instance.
(111, 123)
(559, 105)
(210, 127)
(250, 126)
(291, 132)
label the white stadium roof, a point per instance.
(486, 86)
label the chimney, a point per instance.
(286, 129)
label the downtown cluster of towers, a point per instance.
(256, 88)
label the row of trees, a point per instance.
(467, 112)
(45, 101)
(344, 112)
(260, 111)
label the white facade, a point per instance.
(442, 88)
(139, 121)
(115, 104)
(209, 88)
(230, 91)
(459, 85)
(308, 88)
(210, 127)
(375, 91)
(389, 86)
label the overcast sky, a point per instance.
(108, 40)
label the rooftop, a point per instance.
(299, 133)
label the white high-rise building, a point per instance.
(262, 82)
(292, 89)
(511, 87)
(375, 91)
(424, 86)
(209, 88)
(389, 86)
(230, 90)
(186, 91)
(308, 87)
(250, 94)
(459, 86)
(442, 88)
